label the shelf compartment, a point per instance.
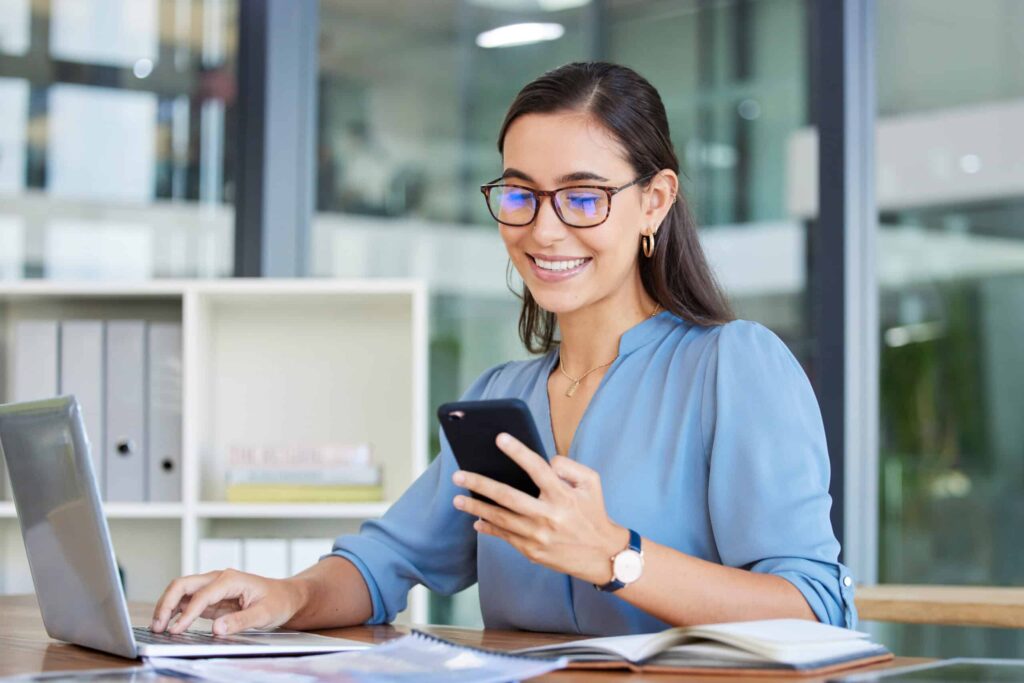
(282, 367)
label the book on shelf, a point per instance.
(317, 457)
(773, 646)
(303, 493)
(328, 473)
(358, 475)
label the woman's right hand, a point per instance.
(234, 600)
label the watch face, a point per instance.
(628, 566)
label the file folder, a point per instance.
(33, 370)
(81, 375)
(163, 424)
(124, 454)
(220, 553)
(266, 556)
(305, 552)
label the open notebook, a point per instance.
(773, 646)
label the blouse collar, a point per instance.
(639, 335)
(647, 331)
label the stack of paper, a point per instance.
(418, 658)
(307, 474)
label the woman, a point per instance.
(686, 436)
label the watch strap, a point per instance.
(615, 584)
(634, 541)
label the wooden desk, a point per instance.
(25, 647)
(960, 605)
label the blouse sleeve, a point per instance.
(421, 539)
(769, 470)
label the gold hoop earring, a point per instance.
(648, 244)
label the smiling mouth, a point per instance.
(559, 265)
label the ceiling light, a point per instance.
(529, 5)
(519, 34)
(749, 109)
(970, 163)
(559, 5)
(143, 68)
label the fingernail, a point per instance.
(504, 439)
(219, 628)
(154, 625)
(459, 478)
(458, 501)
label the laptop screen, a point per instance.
(62, 523)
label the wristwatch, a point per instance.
(627, 565)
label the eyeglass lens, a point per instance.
(577, 206)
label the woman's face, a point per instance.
(551, 151)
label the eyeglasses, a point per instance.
(580, 206)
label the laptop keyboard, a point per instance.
(144, 635)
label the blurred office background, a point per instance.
(118, 161)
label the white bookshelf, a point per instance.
(265, 362)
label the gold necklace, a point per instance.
(576, 380)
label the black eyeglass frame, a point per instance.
(541, 194)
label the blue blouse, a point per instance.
(708, 440)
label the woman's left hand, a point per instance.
(565, 529)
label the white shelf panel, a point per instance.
(120, 510)
(34, 289)
(143, 510)
(292, 510)
(246, 287)
(231, 287)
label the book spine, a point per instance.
(358, 475)
(270, 493)
(299, 456)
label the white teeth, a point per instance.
(559, 265)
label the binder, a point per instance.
(125, 438)
(81, 374)
(33, 370)
(305, 552)
(163, 412)
(266, 556)
(220, 553)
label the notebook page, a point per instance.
(780, 631)
(634, 648)
(789, 640)
(705, 651)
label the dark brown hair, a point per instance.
(627, 105)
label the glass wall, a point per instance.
(950, 163)
(410, 108)
(114, 117)
(734, 78)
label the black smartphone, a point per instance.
(471, 428)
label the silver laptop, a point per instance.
(70, 554)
